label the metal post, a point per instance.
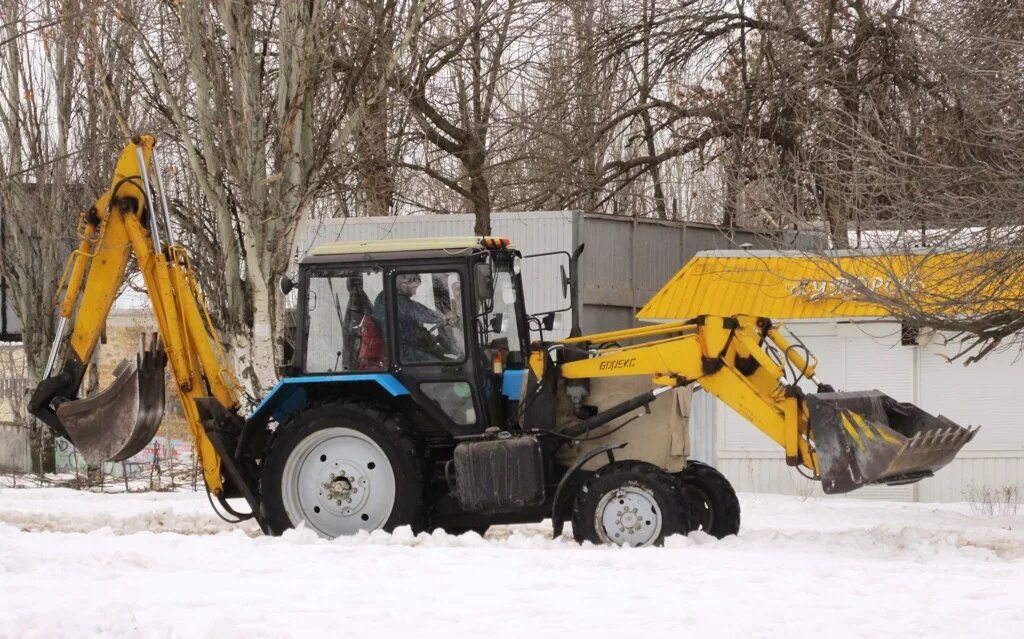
(153, 226)
(61, 326)
(163, 198)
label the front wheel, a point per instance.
(342, 468)
(716, 509)
(630, 502)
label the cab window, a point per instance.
(428, 317)
(342, 333)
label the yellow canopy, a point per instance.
(796, 285)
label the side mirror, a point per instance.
(565, 281)
(286, 284)
(483, 282)
(548, 321)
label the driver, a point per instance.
(415, 342)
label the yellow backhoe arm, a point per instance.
(124, 222)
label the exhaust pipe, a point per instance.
(869, 438)
(121, 420)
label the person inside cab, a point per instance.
(423, 334)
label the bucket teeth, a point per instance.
(122, 367)
(911, 444)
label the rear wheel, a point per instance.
(342, 468)
(713, 502)
(630, 502)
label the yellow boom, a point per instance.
(713, 351)
(121, 223)
(845, 439)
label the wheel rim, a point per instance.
(338, 481)
(629, 515)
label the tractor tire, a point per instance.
(716, 509)
(343, 467)
(630, 502)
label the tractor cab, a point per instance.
(440, 322)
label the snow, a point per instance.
(163, 565)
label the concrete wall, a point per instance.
(123, 329)
(14, 447)
(14, 437)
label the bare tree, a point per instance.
(259, 98)
(58, 133)
(943, 192)
(899, 127)
(380, 23)
(847, 112)
(458, 76)
(577, 92)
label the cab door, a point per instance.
(430, 346)
(502, 336)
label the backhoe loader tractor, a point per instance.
(421, 393)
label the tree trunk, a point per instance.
(376, 188)
(480, 201)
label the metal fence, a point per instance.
(626, 260)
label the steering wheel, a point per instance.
(442, 342)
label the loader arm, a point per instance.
(845, 439)
(121, 223)
(723, 354)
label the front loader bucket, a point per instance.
(122, 419)
(870, 438)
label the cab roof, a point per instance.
(417, 244)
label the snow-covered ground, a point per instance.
(162, 565)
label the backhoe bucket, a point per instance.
(122, 419)
(870, 438)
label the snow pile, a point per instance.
(162, 565)
(66, 510)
